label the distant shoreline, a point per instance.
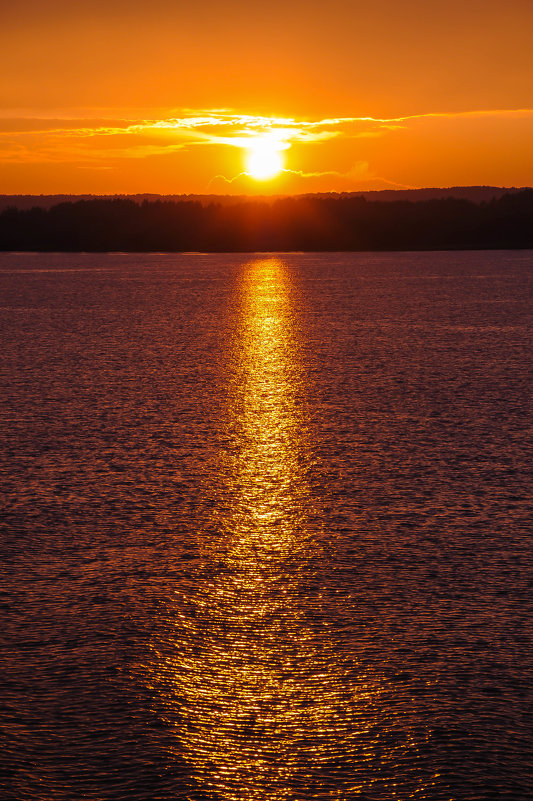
(477, 194)
(307, 223)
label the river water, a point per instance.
(266, 527)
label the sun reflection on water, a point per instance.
(262, 702)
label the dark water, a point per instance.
(265, 529)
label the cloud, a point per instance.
(86, 139)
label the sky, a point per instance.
(278, 97)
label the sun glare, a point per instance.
(264, 159)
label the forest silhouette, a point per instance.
(298, 223)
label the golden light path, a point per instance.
(262, 703)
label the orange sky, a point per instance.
(114, 96)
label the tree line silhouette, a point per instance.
(299, 223)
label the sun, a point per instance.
(264, 159)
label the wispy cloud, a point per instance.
(99, 137)
(224, 127)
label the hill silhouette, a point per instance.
(309, 223)
(477, 194)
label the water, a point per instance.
(265, 531)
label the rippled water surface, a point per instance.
(265, 530)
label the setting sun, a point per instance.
(264, 159)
